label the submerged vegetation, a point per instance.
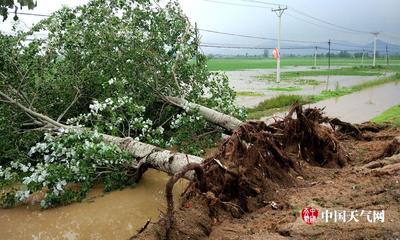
(353, 71)
(285, 89)
(281, 102)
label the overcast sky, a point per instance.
(364, 15)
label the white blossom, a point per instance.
(22, 195)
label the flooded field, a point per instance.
(247, 81)
(115, 215)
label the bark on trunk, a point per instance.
(155, 157)
(223, 120)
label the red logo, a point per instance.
(309, 215)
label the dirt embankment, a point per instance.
(255, 186)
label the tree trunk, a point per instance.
(146, 154)
(155, 157)
(223, 120)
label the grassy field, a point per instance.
(392, 115)
(350, 71)
(231, 64)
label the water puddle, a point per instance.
(116, 215)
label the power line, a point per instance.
(216, 45)
(255, 37)
(236, 4)
(329, 23)
(262, 2)
(210, 45)
(391, 36)
(318, 25)
(312, 17)
(348, 45)
(345, 50)
(30, 14)
(344, 29)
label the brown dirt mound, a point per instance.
(253, 165)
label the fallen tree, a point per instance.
(147, 155)
(306, 133)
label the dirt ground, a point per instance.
(370, 181)
(329, 189)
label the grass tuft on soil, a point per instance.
(392, 115)
(249, 94)
(285, 89)
(311, 82)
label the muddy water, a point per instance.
(364, 105)
(116, 215)
(247, 81)
(357, 107)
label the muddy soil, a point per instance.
(275, 213)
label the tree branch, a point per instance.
(77, 96)
(223, 120)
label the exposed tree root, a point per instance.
(346, 128)
(254, 162)
(393, 148)
(170, 185)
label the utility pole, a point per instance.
(329, 64)
(387, 55)
(279, 11)
(315, 57)
(375, 38)
(362, 58)
(329, 55)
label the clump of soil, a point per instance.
(259, 169)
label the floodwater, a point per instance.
(247, 81)
(115, 215)
(358, 107)
(362, 106)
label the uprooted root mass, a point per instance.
(252, 164)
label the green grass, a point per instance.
(276, 104)
(237, 63)
(249, 94)
(311, 82)
(285, 89)
(392, 115)
(354, 71)
(281, 102)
